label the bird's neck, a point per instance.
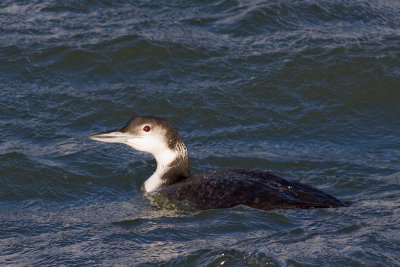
(172, 167)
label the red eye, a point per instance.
(146, 128)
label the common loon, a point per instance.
(213, 189)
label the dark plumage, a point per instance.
(253, 188)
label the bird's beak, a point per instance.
(113, 136)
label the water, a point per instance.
(307, 89)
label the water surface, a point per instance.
(306, 89)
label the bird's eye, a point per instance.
(146, 128)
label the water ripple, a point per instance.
(307, 89)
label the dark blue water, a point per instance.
(307, 89)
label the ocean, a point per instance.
(308, 89)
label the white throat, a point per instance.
(164, 159)
(172, 164)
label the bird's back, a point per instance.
(228, 188)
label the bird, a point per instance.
(213, 189)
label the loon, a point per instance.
(213, 189)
